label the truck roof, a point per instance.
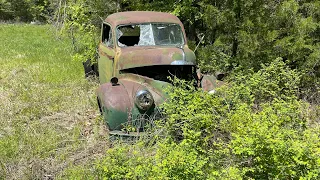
(135, 17)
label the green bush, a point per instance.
(25, 10)
(165, 160)
(255, 127)
(81, 21)
(83, 33)
(275, 143)
(275, 81)
(125, 162)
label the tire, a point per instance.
(99, 105)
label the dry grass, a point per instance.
(49, 120)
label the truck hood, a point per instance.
(131, 57)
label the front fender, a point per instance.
(117, 102)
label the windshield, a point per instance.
(154, 34)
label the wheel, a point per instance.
(99, 105)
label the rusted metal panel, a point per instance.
(156, 88)
(114, 97)
(134, 17)
(138, 17)
(131, 65)
(131, 57)
(121, 96)
(105, 63)
(118, 101)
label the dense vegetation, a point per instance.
(264, 125)
(234, 34)
(48, 113)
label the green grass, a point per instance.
(48, 114)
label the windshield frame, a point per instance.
(144, 23)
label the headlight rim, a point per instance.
(139, 102)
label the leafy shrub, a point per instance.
(82, 32)
(81, 21)
(274, 143)
(256, 126)
(180, 161)
(253, 128)
(275, 81)
(125, 162)
(25, 10)
(212, 58)
(165, 160)
(194, 115)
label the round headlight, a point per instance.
(144, 99)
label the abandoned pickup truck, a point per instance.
(138, 51)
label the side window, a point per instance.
(107, 35)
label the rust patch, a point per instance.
(105, 54)
(114, 97)
(132, 17)
(146, 56)
(138, 17)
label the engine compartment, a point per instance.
(162, 72)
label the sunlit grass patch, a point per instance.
(48, 112)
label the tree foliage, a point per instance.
(25, 10)
(247, 34)
(233, 34)
(81, 21)
(257, 127)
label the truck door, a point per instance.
(106, 54)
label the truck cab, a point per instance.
(138, 51)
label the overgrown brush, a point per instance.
(48, 112)
(81, 21)
(253, 128)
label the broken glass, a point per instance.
(152, 34)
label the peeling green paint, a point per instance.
(122, 17)
(177, 56)
(114, 118)
(165, 51)
(117, 120)
(190, 56)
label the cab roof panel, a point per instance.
(136, 17)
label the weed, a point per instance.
(48, 114)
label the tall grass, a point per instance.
(48, 113)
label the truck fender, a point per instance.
(117, 102)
